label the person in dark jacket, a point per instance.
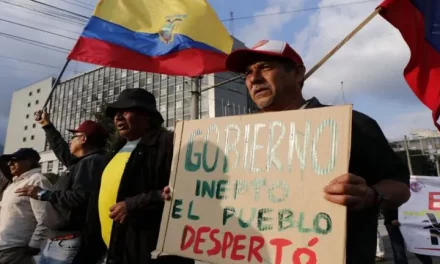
(392, 225)
(85, 160)
(124, 216)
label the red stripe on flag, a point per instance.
(423, 70)
(106, 54)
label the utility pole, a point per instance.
(231, 25)
(195, 97)
(343, 93)
(408, 156)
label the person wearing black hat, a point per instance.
(22, 229)
(124, 217)
(85, 159)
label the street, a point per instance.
(389, 251)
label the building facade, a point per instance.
(84, 96)
(23, 131)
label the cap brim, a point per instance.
(239, 60)
(7, 157)
(113, 108)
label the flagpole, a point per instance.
(195, 97)
(342, 43)
(55, 84)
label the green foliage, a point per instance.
(108, 124)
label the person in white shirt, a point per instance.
(21, 219)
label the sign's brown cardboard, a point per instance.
(249, 189)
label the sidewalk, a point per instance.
(389, 251)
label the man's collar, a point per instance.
(77, 159)
(26, 174)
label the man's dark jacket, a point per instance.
(72, 191)
(371, 158)
(146, 173)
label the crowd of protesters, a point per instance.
(107, 207)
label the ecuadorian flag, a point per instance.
(176, 37)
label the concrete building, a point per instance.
(82, 96)
(22, 131)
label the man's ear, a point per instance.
(300, 73)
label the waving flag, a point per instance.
(177, 37)
(419, 23)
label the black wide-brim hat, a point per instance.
(136, 99)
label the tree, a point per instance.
(108, 124)
(421, 164)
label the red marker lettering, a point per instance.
(279, 243)
(184, 245)
(237, 247)
(199, 239)
(256, 244)
(217, 245)
(228, 238)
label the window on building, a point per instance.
(27, 116)
(49, 166)
(32, 137)
(29, 104)
(37, 102)
(179, 88)
(38, 90)
(60, 166)
(110, 92)
(179, 104)
(24, 139)
(149, 80)
(34, 125)
(25, 127)
(163, 76)
(30, 93)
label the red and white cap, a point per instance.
(239, 59)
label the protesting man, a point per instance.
(124, 218)
(22, 229)
(85, 160)
(274, 76)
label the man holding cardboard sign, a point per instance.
(274, 75)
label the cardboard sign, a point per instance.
(249, 189)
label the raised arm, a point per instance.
(56, 141)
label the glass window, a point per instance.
(27, 116)
(33, 125)
(37, 102)
(163, 108)
(179, 104)
(30, 93)
(25, 127)
(110, 92)
(78, 103)
(149, 80)
(179, 88)
(38, 90)
(32, 137)
(49, 166)
(136, 85)
(89, 99)
(24, 139)
(163, 76)
(124, 73)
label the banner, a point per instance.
(249, 189)
(420, 216)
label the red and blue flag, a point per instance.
(419, 23)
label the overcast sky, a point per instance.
(370, 65)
